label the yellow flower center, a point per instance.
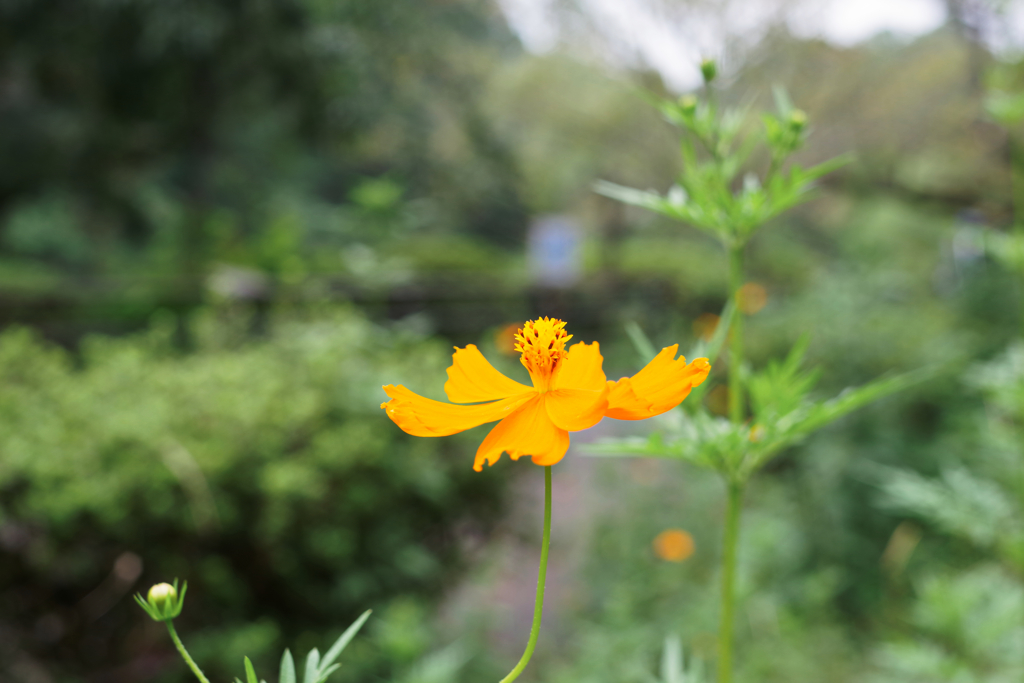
(542, 345)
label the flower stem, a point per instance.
(538, 606)
(735, 487)
(184, 652)
(729, 543)
(736, 334)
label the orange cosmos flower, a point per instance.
(570, 392)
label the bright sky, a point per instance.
(674, 44)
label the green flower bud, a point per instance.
(163, 602)
(708, 69)
(797, 120)
(162, 595)
(688, 104)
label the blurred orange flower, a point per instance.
(674, 545)
(752, 297)
(570, 392)
(505, 339)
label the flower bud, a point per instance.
(708, 69)
(797, 120)
(688, 104)
(163, 602)
(162, 595)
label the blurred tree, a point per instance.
(164, 130)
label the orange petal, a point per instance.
(576, 409)
(582, 369)
(421, 416)
(528, 431)
(472, 379)
(659, 387)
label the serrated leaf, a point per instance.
(312, 670)
(342, 642)
(287, 674)
(250, 673)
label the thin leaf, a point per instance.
(826, 167)
(782, 101)
(628, 195)
(439, 667)
(672, 660)
(345, 638)
(287, 674)
(250, 673)
(641, 342)
(312, 671)
(854, 398)
(326, 672)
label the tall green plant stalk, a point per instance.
(717, 194)
(734, 502)
(736, 334)
(538, 606)
(729, 546)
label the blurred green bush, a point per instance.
(260, 468)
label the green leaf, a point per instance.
(781, 387)
(782, 101)
(627, 195)
(672, 660)
(738, 450)
(854, 398)
(826, 167)
(643, 345)
(326, 672)
(312, 671)
(250, 673)
(1007, 108)
(342, 642)
(287, 674)
(439, 667)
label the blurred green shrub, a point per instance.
(260, 468)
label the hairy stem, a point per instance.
(184, 652)
(729, 543)
(538, 606)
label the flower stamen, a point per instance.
(542, 345)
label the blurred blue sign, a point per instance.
(554, 251)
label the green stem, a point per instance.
(1018, 221)
(736, 334)
(729, 543)
(184, 652)
(732, 516)
(538, 606)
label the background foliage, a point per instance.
(224, 224)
